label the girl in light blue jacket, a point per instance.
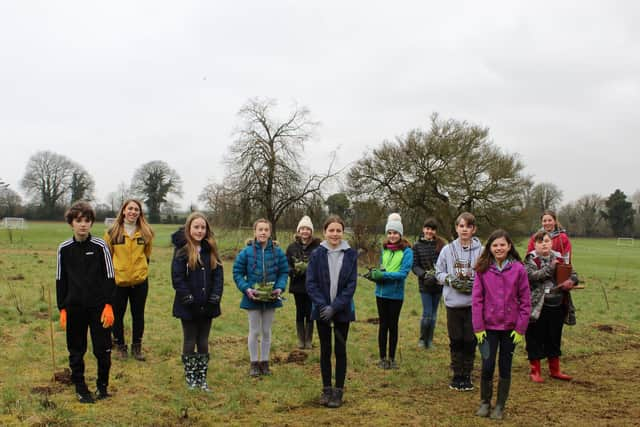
(395, 265)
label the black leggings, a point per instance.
(303, 308)
(341, 332)
(389, 314)
(137, 296)
(196, 333)
(502, 341)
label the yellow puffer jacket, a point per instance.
(130, 258)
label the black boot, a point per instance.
(326, 395)
(308, 335)
(503, 393)
(300, 333)
(190, 370)
(254, 369)
(336, 398)
(203, 367)
(136, 352)
(486, 391)
(430, 336)
(425, 325)
(83, 394)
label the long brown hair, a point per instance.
(191, 247)
(117, 229)
(486, 258)
(553, 215)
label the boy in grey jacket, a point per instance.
(454, 270)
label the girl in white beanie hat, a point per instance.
(298, 254)
(395, 264)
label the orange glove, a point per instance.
(63, 318)
(107, 316)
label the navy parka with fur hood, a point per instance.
(200, 283)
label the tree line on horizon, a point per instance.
(448, 168)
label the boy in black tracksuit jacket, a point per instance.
(84, 289)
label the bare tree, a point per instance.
(48, 178)
(451, 168)
(264, 160)
(153, 182)
(81, 185)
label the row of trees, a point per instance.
(450, 167)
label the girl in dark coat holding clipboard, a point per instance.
(331, 282)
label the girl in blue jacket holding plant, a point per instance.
(196, 273)
(260, 272)
(501, 303)
(331, 282)
(395, 264)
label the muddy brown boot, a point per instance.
(326, 395)
(264, 367)
(254, 369)
(336, 398)
(136, 352)
(121, 352)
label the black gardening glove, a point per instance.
(187, 299)
(326, 313)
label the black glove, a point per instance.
(187, 299)
(429, 279)
(326, 313)
(214, 299)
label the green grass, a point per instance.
(601, 351)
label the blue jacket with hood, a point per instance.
(255, 264)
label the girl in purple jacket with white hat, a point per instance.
(500, 308)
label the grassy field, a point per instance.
(601, 351)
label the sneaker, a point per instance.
(383, 364)
(422, 344)
(456, 383)
(392, 364)
(85, 397)
(102, 393)
(327, 392)
(466, 384)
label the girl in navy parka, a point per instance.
(260, 263)
(331, 282)
(196, 273)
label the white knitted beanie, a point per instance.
(305, 222)
(394, 222)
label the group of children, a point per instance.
(491, 298)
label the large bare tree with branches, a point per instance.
(265, 159)
(451, 168)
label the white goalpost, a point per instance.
(108, 222)
(624, 241)
(12, 223)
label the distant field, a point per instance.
(601, 352)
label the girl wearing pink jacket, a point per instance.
(500, 308)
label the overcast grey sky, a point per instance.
(115, 84)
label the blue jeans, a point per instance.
(430, 303)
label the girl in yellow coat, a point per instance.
(129, 241)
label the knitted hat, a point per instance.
(305, 222)
(394, 222)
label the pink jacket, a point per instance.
(501, 300)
